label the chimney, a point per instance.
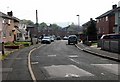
(10, 13)
(114, 6)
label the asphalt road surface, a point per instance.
(58, 61)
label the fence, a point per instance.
(110, 45)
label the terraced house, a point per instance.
(8, 27)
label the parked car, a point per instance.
(52, 39)
(65, 38)
(58, 38)
(46, 39)
(108, 37)
(72, 39)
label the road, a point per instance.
(59, 61)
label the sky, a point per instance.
(61, 12)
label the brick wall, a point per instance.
(106, 26)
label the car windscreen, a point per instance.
(46, 38)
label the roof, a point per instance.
(110, 12)
(117, 9)
(9, 17)
(4, 15)
(87, 23)
(30, 26)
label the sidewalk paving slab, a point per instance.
(99, 52)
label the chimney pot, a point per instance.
(114, 6)
(10, 13)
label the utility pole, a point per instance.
(37, 25)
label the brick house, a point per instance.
(8, 27)
(117, 20)
(106, 22)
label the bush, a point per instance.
(17, 44)
(88, 43)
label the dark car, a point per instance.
(72, 39)
(58, 38)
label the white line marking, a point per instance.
(74, 61)
(29, 64)
(51, 55)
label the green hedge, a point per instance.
(17, 44)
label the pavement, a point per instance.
(97, 51)
(14, 66)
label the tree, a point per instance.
(27, 22)
(91, 29)
(42, 26)
(54, 27)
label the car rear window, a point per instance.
(115, 37)
(111, 37)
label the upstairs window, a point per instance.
(3, 21)
(97, 20)
(9, 21)
(106, 18)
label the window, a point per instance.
(97, 20)
(9, 21)
(4, 34)
(3, 20)
(99, 30)
(10, 34)
(103, 19)
(119, 15)
(106, 18)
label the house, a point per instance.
(105, 22)
(87, 24)
(117, 20)
(8, 27)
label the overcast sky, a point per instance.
(57, 11)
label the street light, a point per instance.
(78, 20)
(37, 25)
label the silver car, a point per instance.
(46, 40)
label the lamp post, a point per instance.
(78, 20)
(78, 24)
(37, 23)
